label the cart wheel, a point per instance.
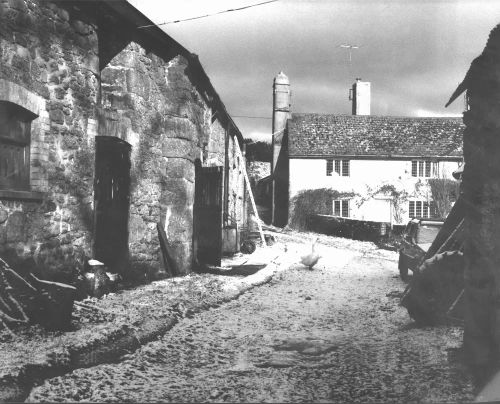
(247, 247)
(434, 289)
(403, 269)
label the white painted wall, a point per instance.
(366, 176)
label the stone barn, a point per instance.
(109, 128)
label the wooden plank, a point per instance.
(170, 264)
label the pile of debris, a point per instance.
(29, 300)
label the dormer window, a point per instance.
(15, 138)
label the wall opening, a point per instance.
(207, 214)
(112, 202)
(15, 137)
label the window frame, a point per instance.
(424, 168)
(329, 167)
(426, 208)
(346, 168)
(340, 166)
(341, 208)
(33, 108)
(17, 122)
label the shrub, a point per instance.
(313, 201)
(444, 191)
(259, 151)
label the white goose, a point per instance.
(312, 258)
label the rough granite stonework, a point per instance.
(141, 87)
(52, 57)
(151, 103)
(237, 185)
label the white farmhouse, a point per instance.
(379, 166)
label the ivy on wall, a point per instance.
(319, 201)
(399, 198)
(313, 201)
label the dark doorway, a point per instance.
(112, 200)
(207, 214)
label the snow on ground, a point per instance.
(333, 334)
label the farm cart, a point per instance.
(434, 293)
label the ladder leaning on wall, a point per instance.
(252, 200)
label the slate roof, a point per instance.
(313, 135)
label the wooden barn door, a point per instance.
(207, 215)
(112, 199)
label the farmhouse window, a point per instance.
(424, 168)
(341, 208)
(329, 167)
(15, 129)
(337, 166)
(341, 167)
(345, 168)
(422, 209)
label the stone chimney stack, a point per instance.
(281, 112)
(360, 97)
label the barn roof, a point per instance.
(314, 135)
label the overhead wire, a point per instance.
(208, 15)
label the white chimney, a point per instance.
(360, 97)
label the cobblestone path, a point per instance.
(333, 334)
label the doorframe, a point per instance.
(199, 170)
(128, 146)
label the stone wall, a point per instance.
(148, 94)
(48, 64)
(481, 193)
(150, 103)
(237, 186)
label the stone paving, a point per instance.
(333, 334)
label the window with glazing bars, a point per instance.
(424, 168)
(329, 167)
(422, 209)
(341, 167)
(345, 168)
(337, 166)
(341, 208)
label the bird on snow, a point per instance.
(309, 260)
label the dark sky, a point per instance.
(414, 52)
